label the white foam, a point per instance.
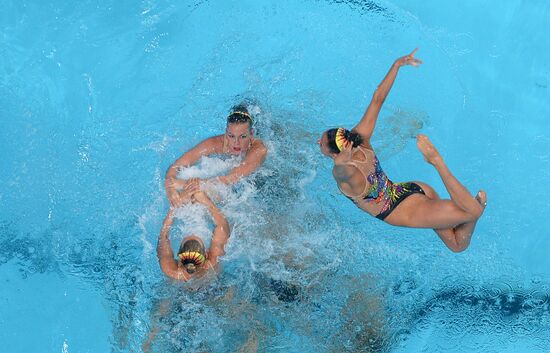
(209, 167)
(194, 220)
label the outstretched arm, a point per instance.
(253, 160)
(221, 232)
(171, 184)
(165, 254)
(366, 126)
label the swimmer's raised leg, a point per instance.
(459, 194)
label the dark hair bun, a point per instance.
(190, 267)
(353, 137)
(350, 136)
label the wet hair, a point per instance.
(350, 136)
(239, 115)
(191, 245)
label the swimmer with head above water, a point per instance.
(359, 176)
(194, 260)
(238, 140)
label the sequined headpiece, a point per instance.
(340, 138)
(193, 257)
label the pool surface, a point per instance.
(97, 99)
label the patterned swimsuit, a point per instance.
(380, 189)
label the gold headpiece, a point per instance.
(193, 256)
(243, 114)
(340, 138)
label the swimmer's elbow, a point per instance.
(378, 97)
(171, 172)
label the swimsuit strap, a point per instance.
(359, 165)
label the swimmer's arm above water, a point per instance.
(366, 126)
(171, 184)
(165, 253)
(221, 232)
(253, 160)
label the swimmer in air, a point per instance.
(360, 177)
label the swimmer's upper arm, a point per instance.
(168, 265)
(253, 160)
(220, 236)
(165, 253)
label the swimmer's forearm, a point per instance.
(218, 217)
(385, 86)
(222, 224)
(253, 161)
(228, 179)
(236, 174)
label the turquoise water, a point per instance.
(97, 99)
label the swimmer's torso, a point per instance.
(369, 187)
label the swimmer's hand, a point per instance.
(408, 60)
(187, 187)
(345, 155)
(178, 199)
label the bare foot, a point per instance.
(481, 197)
(428, 150)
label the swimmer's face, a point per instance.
(323, 145)
(238, 137)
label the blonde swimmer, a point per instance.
(238, 140)
(193, 259)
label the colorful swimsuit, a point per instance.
(380, 189)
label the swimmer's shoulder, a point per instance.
(214, 144)
(259, 146)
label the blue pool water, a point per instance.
(97, 99)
